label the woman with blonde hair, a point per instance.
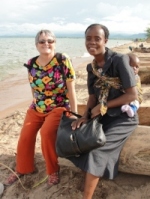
(52, 80)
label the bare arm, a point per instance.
(31, 88)
(129, 96)
(90, 105)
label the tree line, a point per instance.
(148, 33)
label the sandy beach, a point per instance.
(15, 100)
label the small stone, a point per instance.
(1, 188)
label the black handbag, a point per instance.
(70, 142)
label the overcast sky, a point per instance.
(30, 16)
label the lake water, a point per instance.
(14, 52)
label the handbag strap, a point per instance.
(99, 117)
(77, 115)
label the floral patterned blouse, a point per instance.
(49, 84)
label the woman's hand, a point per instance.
(78, 122)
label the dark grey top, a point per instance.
(116, 65)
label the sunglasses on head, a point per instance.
(49, 41)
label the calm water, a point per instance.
(16, 51)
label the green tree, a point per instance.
(148, 33)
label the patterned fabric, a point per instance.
(49, 84)
(104, 83)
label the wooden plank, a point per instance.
(144, 74)
(144, 116)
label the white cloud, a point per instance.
(89, 20)
(29, 16)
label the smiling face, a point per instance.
(46, 44)
(95, 40)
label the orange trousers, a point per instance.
(48, 125)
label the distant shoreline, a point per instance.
(111, 37)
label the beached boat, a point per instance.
(141, 49)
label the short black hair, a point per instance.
(105, 29)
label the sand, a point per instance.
(12, 112)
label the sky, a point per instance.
(27, 17)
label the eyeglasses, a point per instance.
(49, 41)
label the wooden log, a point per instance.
(144, 116)
(143, 112)
(144, 74)
(143, 58)
(135, 155)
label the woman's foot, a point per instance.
(13, 177)
(53, 179)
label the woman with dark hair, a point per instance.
(111, 84)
